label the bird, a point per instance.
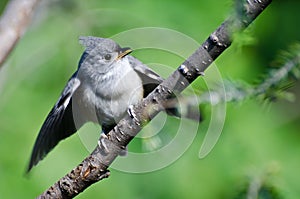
(107, 81)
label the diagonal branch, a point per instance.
(94, 167)
(13, 23)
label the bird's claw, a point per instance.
(101, 142)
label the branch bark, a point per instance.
(94, 167)
(13, 23)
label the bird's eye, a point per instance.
(107, 57)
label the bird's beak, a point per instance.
(123, 52)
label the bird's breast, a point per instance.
(105, 99)
(113, 99)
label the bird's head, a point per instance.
(101, 53)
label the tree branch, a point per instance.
(13, 23)
(94, 167)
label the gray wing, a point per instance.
(149, 78)
(58, 125)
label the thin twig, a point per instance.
(94, 167)
(13, 23)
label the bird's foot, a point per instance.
(101, 142)
(102, 145)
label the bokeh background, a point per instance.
(259, 141)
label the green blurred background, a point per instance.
(259, 141)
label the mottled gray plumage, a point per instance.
(106, 82)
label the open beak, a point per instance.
(123, 52)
